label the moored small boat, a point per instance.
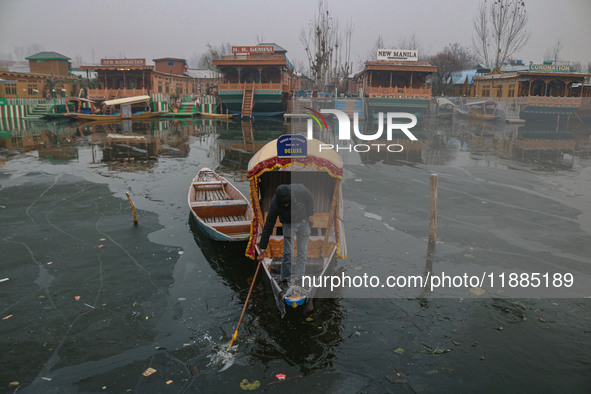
(482, 110)
(207, 115)
(128, 108)
(221, 210)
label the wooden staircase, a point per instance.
(247, 102)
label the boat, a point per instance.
(221, 211)
(128, 108)
(321, 172)
(445, 108)
(207, 115)
(72, 105)
(257, 81)
(482, 110)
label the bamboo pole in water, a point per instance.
(433, 212)
(133, 210)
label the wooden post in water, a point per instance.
(433, 212)
(133, 210)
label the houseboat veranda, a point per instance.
(321, 172)
(256, 81)
(535, 91)
(396, 81)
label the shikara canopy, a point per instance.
(266, 160)
(128, 100)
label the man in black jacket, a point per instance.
(294, 206)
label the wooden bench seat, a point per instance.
(219, 208)
(232, 228)
(208, 185)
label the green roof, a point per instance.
(47, 56)
(276, 47)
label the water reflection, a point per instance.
(232, 144)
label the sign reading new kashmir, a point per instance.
(402, 55)
(550, 68)
(292, 146)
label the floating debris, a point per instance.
(168, 381)
(149, 371)
(181, 252)
(7, 317)
(280, 376)
(477, 291)
(4, 279)
(246, 385)
(399, 351)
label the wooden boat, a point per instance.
(73, 105)
(221, 211)
(445, 108)
(482, 110)
(207, 115)
(321, 172)
(132, 108)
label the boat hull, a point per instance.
(221, 211)
(114, 118)
(395, 104)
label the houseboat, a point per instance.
(396, 81)
(256, 81)
(536, 91)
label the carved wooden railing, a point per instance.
(255, 86)
(398, 92)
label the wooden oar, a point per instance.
(245, 304)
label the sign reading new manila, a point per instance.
(401, 55)
(551, 68)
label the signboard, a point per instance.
(401, 55)
(254, 49)
(550, 68)
(123, 62)
(290, 146)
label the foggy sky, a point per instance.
(182, 28)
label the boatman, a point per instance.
(294, 206)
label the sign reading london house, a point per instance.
(123, 62)
(290, 146)
(550, 68)
(402, 55)
(253, 49)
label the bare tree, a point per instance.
(453, 58)
(412, 42)
(553, 53)
(500, 30)
(319, 42)
(212, 53)
(378, 44)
